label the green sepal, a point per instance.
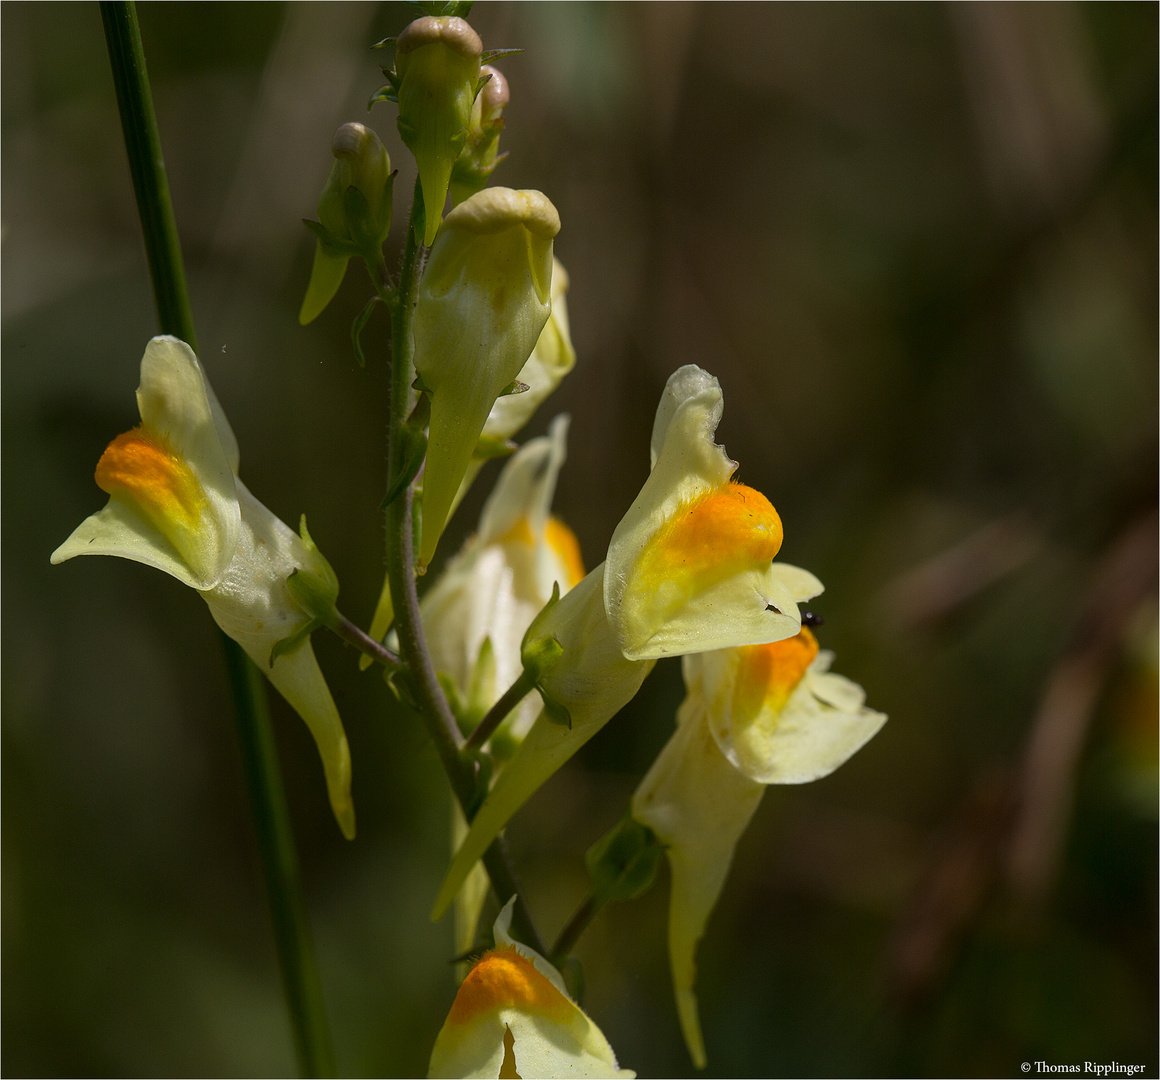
(383, 93)
(532, 631)
(315, 592)
(414, 450)
(331, 243)
(490, 446)
(357, 327)
(327, 570)
(481, 693)
(514, 387)
(292, 642)
(385, 43)
(623, 863)
(554, 711)
(326, 276)
(443, 7)
(399, 681)
(540, 655)
(314, 596)
(490, 55)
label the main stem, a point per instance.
(259, 754)
(436, 711)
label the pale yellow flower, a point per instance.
(477, 612)
(689, 568)
(512, 1016)
(176, 503)
(484, 298)
(755, 715)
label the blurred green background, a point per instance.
(916, 243)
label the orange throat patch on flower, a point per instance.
(503, 978)
(768, 674)
(141, 470)
(726, 531)
(566, 547)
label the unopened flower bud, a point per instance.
(480, 153)
(360, 162)
(354, 210)
(483, 300)
(437, 67)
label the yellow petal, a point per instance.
(698, 805)
(253, 606)
(779, 715)
(173, 503)
(593, 681)
(690, 565)
(512, 1017)
(483, 301)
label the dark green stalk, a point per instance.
(433, 703)
(579, 922)
(352, 635)
(499, 712)
(259, 754)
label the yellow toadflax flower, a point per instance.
(755, 715)
(484, 298)
(176, 503)
(513, 1017)
(689, 568)
(552, 358)
(476, 614)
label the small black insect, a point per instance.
(812, 618)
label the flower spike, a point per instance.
(176, 503)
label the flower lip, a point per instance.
(496, 208)
(690, 567)
(454, 32)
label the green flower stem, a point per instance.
(435, 709)
(259, 754)
(499, 712)
(296, 958)
(352, 635)
(579, 922)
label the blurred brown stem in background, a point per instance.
(1014, 822)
